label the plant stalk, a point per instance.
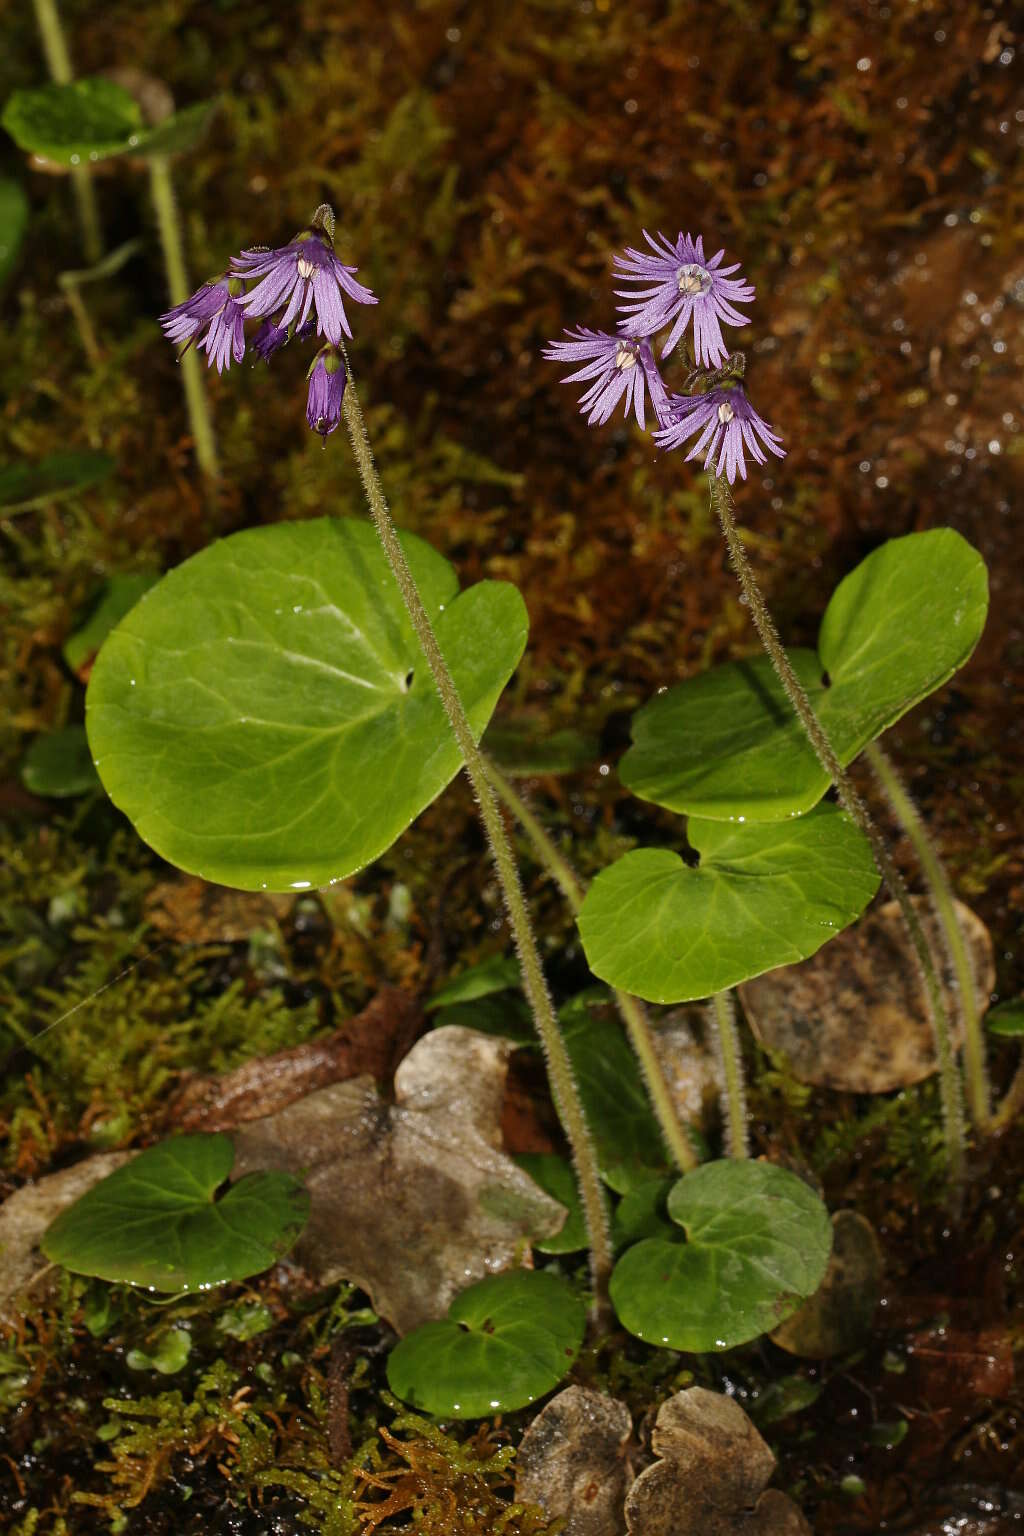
(563, 1083)
(196, 404)
(630, 1009)
(58, 61)
(907, 815)
(730, 1063)
(949, 1078)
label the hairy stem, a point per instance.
(907, 815)
(630, 1009)
(59, 64)
(730, 1065)
(949, 1077)
(166, 209)
(563, 1083)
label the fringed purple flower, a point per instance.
(620, 366)
(683, 285)
(270, 338)
(727, 423)
(327, 378)
(211, 318)
(303, 273)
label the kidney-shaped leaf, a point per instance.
(727, 744)
(72, 124)
(761, 896)
(505, 1342)
(265, 715)
(156, 1221)
(757, 1244)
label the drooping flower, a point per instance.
(620, 366)
(683, 285)
(301, 274)
(270, 338)
(212, 318)
(727, 423)
(327, 377)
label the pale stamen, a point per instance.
(725, 413)
(306, 268)
(693, 280)
(625, 355)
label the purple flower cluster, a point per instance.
(675, 286)
(294, 291)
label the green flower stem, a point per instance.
(162, 192)
(1011, 1106)
(59, 63)
(907, 815)
(563, 1083)
(633, 1016)
(949, 1078)
(730, 1062)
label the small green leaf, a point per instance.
(726, 744)
(523, 753)
(155, 1222)
(757, 1244)
(506, 1341)
(1007, 1020)
(642, 1213)
(615, 1102)
(556, 1178)
(790, 1394)
(74, 124)
(494, 974)
(265, 715)
(59, 764)
(117, 596)
(170, 1355)
(24, 486)
(13, 223)
(762, 896)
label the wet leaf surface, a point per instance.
(159, 1223)
(572, 1461)
(505, 1342)
(761, 896)
(73, 124)
(242, 754)
(855, 1016)
(757, 1243)
(727, 743)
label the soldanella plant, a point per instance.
(275, 712)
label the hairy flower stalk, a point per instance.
(949, 1078)
(630, 1009)
(722, 1014)
(563, 1083)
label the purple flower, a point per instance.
(618, 365)
(727, 422)
(211, 318)
(270, 337)
(683, 284)
(303, 273)
(326, 387)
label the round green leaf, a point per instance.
(506, 1341)
(13, 222)
(59, 764)
(641, 1213)
(73, 124)
(727, 745)
(555, 1176)
(116, 597)
(757, 1244)
(615, 1102)
(1006, 1021)
(23, 486)
(265, 715)
(155, 1222)
(762, 896)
